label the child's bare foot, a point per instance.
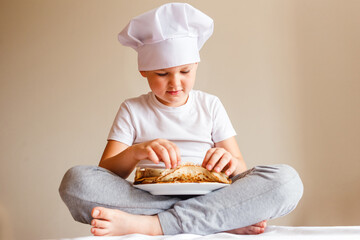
(253, 229)
(113, 222)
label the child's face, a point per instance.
(171, 86)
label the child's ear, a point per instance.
(143, 73)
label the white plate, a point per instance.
(180, 188)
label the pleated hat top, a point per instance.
(168, 36)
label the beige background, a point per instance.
(287, 72)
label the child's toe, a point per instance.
(100, 223)
(254, 230)
(100, 213)
(100, 231)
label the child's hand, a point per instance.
(159, 150)
(218, 159)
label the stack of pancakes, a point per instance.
(185, 173)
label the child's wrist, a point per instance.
(131, 153)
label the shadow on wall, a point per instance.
(329, 89)
(5, 225)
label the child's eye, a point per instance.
(184, 72)
(161, 74)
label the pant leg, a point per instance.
(85, 187)
(264, 193)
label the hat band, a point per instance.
(168, 53)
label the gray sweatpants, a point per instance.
(261, 193)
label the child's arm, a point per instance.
(225, 155)
(121, 159)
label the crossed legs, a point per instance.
(113, 207)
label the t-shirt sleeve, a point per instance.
(122, 129)
(222, 127)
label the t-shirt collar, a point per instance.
(168, 108)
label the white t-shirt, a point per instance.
(193, 127)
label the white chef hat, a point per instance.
(170, 35)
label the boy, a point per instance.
(173, 124)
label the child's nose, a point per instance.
(175, 80)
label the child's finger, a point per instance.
(208, 155)
(231, 168)
(151, 155)
(177, 152)
(162, 154)
(172, 153)
(225, 159)
(215, 157)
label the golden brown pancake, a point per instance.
(185, 173)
